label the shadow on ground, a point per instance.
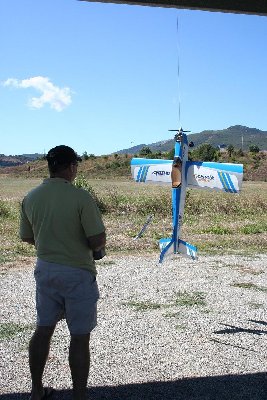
(226, 387)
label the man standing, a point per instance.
(65, 225)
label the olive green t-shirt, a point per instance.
(60, 217)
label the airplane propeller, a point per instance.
(177, 130)
(178, 135)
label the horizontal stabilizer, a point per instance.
(187, 249)
(163, 243)
(166, 246)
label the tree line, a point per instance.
(204, 152)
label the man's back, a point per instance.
(61, 217)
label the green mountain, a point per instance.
(239, 136)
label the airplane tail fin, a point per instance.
(167, 248)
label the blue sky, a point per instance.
(104, 77)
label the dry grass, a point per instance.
(215, 222)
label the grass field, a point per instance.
(214, 222)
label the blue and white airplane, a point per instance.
(182, 174)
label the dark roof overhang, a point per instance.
(257, 7)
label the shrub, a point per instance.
(85, 155)
(7, 210)
(145, 151)
(81, 182)
(254, 148)
(205, 152)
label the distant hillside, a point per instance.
(118, 165)
(232, 135)
(13, 161)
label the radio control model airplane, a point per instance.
(182, 174)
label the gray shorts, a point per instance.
(66, 292)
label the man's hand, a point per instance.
(97, 255)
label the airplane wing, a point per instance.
(199, 175)
(214, 176)
(151, 170)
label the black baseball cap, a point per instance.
(61, 155)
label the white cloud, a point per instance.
(57, 98)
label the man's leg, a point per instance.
(79, 360)
(38, 353)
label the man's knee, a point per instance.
(44, 331)
(80, 339)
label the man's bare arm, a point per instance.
(97, 242)
(29, 240)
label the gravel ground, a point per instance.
(182, 330)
